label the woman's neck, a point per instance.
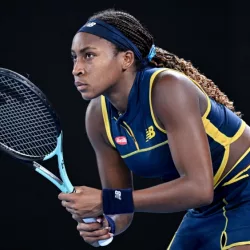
(118, 94)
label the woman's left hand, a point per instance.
(85, 202)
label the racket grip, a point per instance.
(101, 242)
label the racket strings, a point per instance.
(26, 124)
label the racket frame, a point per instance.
(64, 183)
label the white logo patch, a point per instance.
(118, 195)
(91, 24)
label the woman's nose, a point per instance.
(78, 68)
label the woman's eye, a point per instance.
(89, 55)
(73, 57)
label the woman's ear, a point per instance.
(128, 59)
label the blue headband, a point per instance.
(110, 33)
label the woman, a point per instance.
(154, 115)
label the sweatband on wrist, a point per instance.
(117, 201)
(111, 224)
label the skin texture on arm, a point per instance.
(87, 202)
(112, 169)
(176, 104)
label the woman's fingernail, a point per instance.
(108, 228)
(99, 220)
(111, 235)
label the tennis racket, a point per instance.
(30, 129)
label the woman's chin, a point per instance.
(88, 96)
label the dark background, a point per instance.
(35, 40)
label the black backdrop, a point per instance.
(35, 40)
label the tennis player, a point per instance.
(154, 114)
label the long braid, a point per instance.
(141, 37)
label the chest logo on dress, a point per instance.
(150, 133)
(121, 140)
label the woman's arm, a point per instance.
(113, 172)
(86, 202)
(175, 101)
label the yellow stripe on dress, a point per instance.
(234, 166)
(106, 121)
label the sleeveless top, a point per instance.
(143, 144)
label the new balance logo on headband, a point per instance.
(91, 24)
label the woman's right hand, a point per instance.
(93, 232)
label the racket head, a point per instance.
(29, 126)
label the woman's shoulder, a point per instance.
(94, 112)
(170, 78)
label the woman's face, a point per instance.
(96, 65)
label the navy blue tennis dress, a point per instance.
(143, 145)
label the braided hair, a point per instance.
(140, 36)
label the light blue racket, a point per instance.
(30, 129)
